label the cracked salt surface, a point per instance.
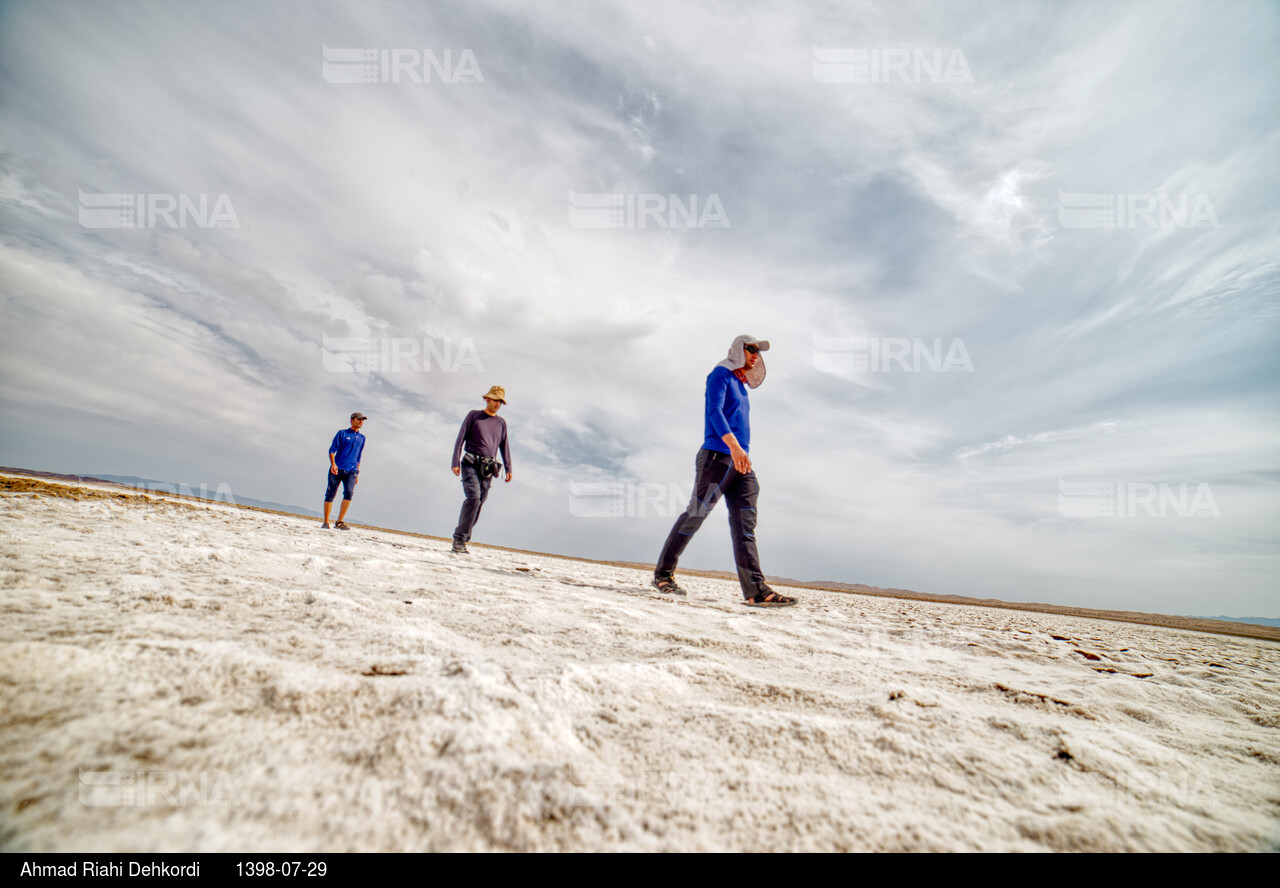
(269, 686)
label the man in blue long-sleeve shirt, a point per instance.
(344, 468)
(723, 468)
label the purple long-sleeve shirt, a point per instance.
(484, 435)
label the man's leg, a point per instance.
(330, 490)
(476, 491)
(470, 505)
(740, 496)
(484, 497)
(348, 491)
(710, 471)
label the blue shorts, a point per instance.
(348, 480)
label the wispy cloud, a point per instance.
(900, 210)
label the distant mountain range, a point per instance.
(1259, 621)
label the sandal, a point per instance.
(770, 599)
(341, 526)
(667, 585)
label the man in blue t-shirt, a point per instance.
(344, 467)
(723, 468)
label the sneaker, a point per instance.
(459, 548)
(667, 585)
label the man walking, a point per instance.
(484, 434)
(723, 468)
(344, 467)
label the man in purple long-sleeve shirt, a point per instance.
(484, 435)
(723, 468)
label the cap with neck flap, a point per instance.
(737, 360)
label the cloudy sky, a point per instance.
(1017, 262)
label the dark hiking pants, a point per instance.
(476, 491)
(715, 477)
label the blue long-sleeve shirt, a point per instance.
(727, 411)
(347, 447)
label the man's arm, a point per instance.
(462, 436)
(717, 395)
(506, 452)
(717, 390)
(333, 448)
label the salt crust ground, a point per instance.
(269, 686)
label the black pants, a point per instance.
(476, 491)
(716, 477)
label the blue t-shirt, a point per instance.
(348, 446)
(727, 411)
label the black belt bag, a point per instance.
(487, 466)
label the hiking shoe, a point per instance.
(667, 585)
(459, 548)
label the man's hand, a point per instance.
(333, 469)
(741, 462)
(508, 480)
(457, 470)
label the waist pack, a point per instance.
(487, 466)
